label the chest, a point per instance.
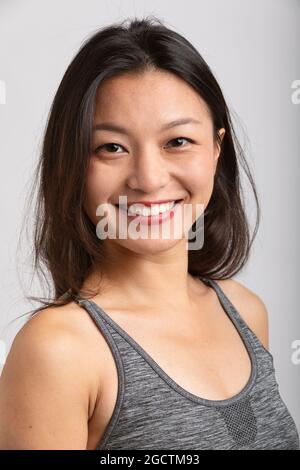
(203, 353)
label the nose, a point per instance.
(149, 172)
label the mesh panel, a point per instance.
(240, 421)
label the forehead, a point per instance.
(155, 93)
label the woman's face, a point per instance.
(149, 161)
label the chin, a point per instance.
(148, 246)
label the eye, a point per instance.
(114, 145)
(107, 146)
(180, 139)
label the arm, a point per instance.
(44, 399)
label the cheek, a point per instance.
(99, 187)
(199, 175)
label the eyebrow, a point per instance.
(108, 126)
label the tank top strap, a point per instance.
(111, 330)
(236, 317)
(226, 303)
(98, 315)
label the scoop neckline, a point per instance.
(226, 304)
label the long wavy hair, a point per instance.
(65, 244)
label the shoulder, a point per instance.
(46, 388)
(250, 306)
(61, 337)
(52, 334)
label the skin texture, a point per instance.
(57, 388)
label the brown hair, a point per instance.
(65, 241)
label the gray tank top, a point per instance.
(153, 412)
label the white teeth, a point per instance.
(145, 211)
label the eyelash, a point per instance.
(112, 143)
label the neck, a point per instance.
(148, 279)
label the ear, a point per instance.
(217, 152)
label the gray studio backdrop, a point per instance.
(253, 49)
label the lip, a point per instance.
(149, 203)
(156, 219)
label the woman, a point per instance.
(147, 344)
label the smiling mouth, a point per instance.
(125, 208)
(156, 217)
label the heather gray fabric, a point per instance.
(154, 412)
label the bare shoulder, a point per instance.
(250, 306)
(45, 385)
(55, 334)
